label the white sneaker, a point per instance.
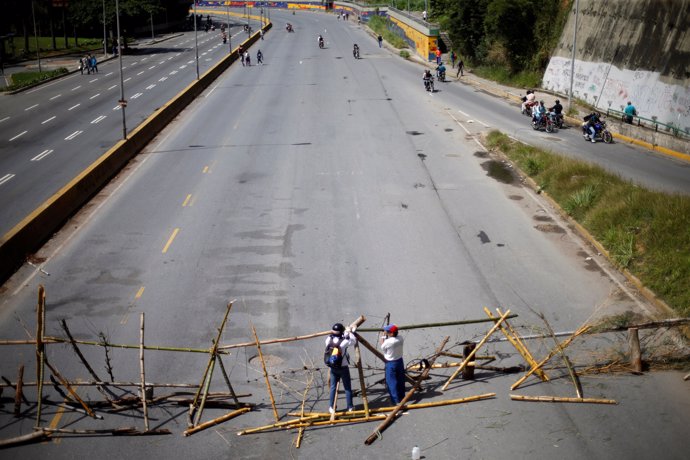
(351, 409)
(593, 141)
(331, 411)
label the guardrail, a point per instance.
(650, 123)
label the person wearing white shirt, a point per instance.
(392, 347)
(338, 341)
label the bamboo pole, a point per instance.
(447, 323)
(14, 386)
(362, 384)
(370, 347)
(268, 383)
(335, 400)
(143, 378)
(473, 352)
(687, 377)
(378, 410)
(126, 431)
(285, 423)
(67, 385)
(227, 380)
(105, 391)
(40, 349)
(104, 343)
(551, 354)
(391, 417)
(514, 339)
(115, 384)
(19, 393)
(300, 432)
(561, 399)
(271, 341)
(213, 351)
(38, 435)
(571, 371)
(204, 395)
(372, 418)
(216, 421)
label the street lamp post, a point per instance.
(122, 101)
(153, 35)
(196, 43)
(227, 11)
(105, 40)
(38, 53)
(572, 60)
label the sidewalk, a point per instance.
(70, 61)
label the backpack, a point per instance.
(332, 355)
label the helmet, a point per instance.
(541, 102)
(557, 101)
(339, 328)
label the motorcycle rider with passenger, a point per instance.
(590, 125)
(528, 101)
(557, 112)
(539, 113)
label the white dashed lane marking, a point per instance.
(6, 178)
(98, 120)
(49, 119)
(32, 107)
(18, 135)
(55, 97)
(73, 135)
(42, 155)
(74, 107)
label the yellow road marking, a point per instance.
(187, 200)
(170, 240)
(205, 169)
(56, 419)
(138, 295)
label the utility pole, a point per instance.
(122, 101)
(196, 43)
(572, 60)
(105, 39)
(38, 53)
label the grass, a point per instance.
(378, 25)
(22, 79)
(644, 231)
(523, 79)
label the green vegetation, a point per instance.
(404, 54)
(23, 79)
(46, 46)
(517, 36)
(523, 78)
(643, 231)
(379, 25)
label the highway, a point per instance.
(311, 190)
(51, 133)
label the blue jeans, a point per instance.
(395, 380)
(342, 373)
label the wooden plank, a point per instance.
(216, 421)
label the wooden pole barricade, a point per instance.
(519, 345)
(635, 351)
(268, 383)
(473, 352)
(143, 375)
(19, 392)
(300, 432)
(40, 349)
(561, 399)
(71, 390)
(551, 354)
(362, 385)
(566, 361)
(389, 419)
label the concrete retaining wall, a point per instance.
(27, 236)
(628, 50)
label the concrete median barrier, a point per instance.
(36, 228)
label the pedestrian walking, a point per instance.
(260, 57)
(424, 15)
(392, 347)
(380, 41)
(438, 56)
(241, 53)
(453, 57)
(337, 359)
(247, 58)
(461, 68)
(261, 33)
(94, 64)
(81, 65)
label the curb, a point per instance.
(644, 291)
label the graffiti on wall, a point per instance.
(422, 44)
(606, 86)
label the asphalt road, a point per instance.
(313, 189)
(51, 133)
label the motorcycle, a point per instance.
(289, 28)
(557, 120)
(355, 53)
(321, 43)
(441, 76)
(429, 84)
(546, 122)
(600, 132)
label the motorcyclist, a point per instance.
(428, 78)
(355, 51)
(557, 111)
(590, 124)
(441, 72)
(528, 101)
(539, 113)
(320, 41)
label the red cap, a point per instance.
(391, 328)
